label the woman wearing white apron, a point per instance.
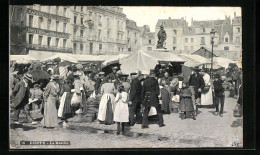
(206, 95)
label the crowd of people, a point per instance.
(126, 99)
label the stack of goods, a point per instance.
(91, 109)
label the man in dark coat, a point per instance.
(196, 80)
(219, 95)
(135, 100)
(99, 80)
(21, 94)
(150, 93)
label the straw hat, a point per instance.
(28, 76)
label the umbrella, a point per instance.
(39, 74)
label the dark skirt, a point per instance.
(67, 111)
(186, 104)
(109, 114)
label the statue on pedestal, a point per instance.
(161, 38)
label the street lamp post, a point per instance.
(212, 35)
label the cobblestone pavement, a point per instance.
(207, 131)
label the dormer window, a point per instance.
(226, 40)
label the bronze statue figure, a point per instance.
(161, 38)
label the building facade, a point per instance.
(133, 36)
(36, 27)
(182, 38)
(147, 38)
(106, 30)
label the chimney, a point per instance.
(191, 21)
(169, 17)
(235, 14)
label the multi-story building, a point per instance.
(133, 36)
(36, 27)
(147, 39)
(79, 29)
(174, 30)
(187, 39)
(106, 30)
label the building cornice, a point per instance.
(47, 15)
(101, 10)
(46, 32)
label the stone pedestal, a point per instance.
(161, 50)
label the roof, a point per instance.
(131, 24)
(169, 23)
(203, 52)
(189, 31)
(208, 23)
(149, 34)
(237, 20)
(22, 57)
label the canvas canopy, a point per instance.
(114, 59)
(193, 60)
(223, 62)
(63, 57)
(146, 60)
(23, 59)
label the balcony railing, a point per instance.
(79, 38)
(49, 48)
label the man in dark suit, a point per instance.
(150, 93)
(219, 95)
(196, 80)
(135, 100)
(21, 94)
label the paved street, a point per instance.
(207, 131)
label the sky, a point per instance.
(150, 15)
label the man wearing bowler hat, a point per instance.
(150, 93)
(135, 99)
(21, 98)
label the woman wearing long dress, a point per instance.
(64, 110)
(121, 114)
(51, 93)
(107, 103)
(206, 96)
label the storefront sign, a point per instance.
(47, 32)
(47, 15)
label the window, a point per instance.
(75, 19)
(100, 46)
(30, 38)
(48, 24)
(135, 41)
(117, 35)
(150, 41)
(57, 25)
(202, 40)
(108, 22)
(238, 30)
(186, 47)
(237, 39)
(75, 8)
(174, 40)
(121, 36)
(81, 47)
(149, 48)
(191, 48)
(31, 21)
(57, 9)
(90, 14)
(135, 35)
(57, 42)
(64, 27)
(203, 30)
(64, 43)
(118, 24)
(128, 40)
(40, 21)
(81, 8)
(49, 9)
(74, 32)
(226, 40)
(118, 49)
(175, 32)
(173, 48)
(192, 40)
(81, 33)
(99, 34)
(90, 48)
(64, 11)
(226, 48)
(129, 49)
(186, 40)
(40, 40)
(49, 41)
(122, 49)
(75, 46)
(108, 33)
(99, 18)
(81, 20)
(190, 29)
(40, 8)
